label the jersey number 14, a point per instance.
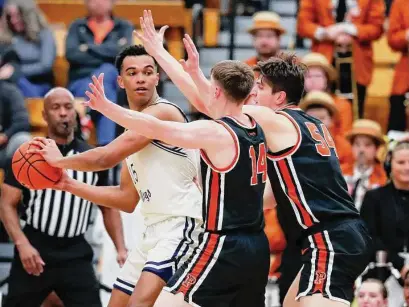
(258, 164)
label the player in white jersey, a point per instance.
(162, 178)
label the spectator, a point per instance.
(385, 210)
(14, 124)
(398, 39)
(9, 64)
(51, 253)
(319, 77)
(91, 47)
(339, 27)
(266, 31)
(366, 172)
(372, 293)
(321, 106)
(28, 33)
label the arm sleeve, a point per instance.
(397, 31)
(372, 29)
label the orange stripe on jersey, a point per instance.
(201, 264)
(292, 192)
(213, 206)
(321, 263)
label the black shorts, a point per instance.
(333, 259)
(225, 270)
(68, 271)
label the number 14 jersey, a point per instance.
(233, 196)
(307, 180)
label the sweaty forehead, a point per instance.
(138, 62)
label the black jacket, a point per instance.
(83, 63)
(13, 112)
(386, 214)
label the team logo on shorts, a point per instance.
(189, 280)
(319, 277)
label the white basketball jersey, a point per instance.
(163, 176)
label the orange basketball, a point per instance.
(32, 171)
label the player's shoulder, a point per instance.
(270, 120)
(165, 110)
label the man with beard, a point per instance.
(51, 252)
(266, 31)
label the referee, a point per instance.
(51, 253)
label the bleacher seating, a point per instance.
(171, 13)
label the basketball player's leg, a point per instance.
(118, 298)
(290, 299)
(172, 241)
(127, 278)
(167, 299)
(147, 290)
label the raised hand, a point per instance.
(151, 40)
(97, 99)
(191, 65)
(48, 149)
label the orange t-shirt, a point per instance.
(100, 30)
(345, 118)
(344, 150)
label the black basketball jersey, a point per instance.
(307, 180)
(233, 196)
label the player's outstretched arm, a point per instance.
(123, 197)
(96, 159)
(193, 135)
(107, 156)
(187, 76)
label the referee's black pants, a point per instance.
(68, 271)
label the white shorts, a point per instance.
(164, 247)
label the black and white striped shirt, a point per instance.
(59, 213)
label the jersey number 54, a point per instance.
(324, 140)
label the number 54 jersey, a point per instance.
(307, 180)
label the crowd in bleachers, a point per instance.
(335, 93)
(341, 66)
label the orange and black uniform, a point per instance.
(316, 211)
(230, 266)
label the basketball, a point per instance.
(32, 171)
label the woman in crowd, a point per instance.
(386, 213)
(25, 29)
(372, 293)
